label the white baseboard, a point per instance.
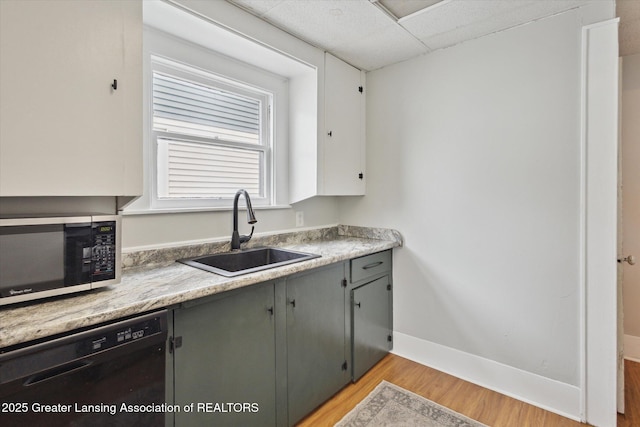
(552, 395)
(632, 348)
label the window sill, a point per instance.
(127, 212)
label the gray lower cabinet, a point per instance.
(316, 350)
(225, 364)
(269, 354)
(371, 310)
(371, 324)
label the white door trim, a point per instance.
(599, 173)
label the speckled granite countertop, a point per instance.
(152, 280)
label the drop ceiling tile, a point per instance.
(387, 46)
(257, 7)
(462, 20)
(449, 16)
(402, 8)
(360, 33)
(328, 23)
(459, 35)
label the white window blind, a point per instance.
(210, 139)
(193, 109)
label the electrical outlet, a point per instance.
(299, 218)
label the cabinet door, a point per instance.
(315, 339)
(343, 150)
(227, 357)
(65, 130)
(371, 323)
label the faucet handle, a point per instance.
(245, 239)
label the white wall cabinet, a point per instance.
(343, 159)
(64, 130)
(327, 144)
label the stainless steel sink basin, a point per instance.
(232, 264)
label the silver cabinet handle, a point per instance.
(630, 259)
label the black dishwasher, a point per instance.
(112, 375)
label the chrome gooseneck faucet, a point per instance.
(236, 238)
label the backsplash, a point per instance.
(164, 256)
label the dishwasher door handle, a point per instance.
(56, 372)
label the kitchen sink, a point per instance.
(232, 264)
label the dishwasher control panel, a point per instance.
(126, 333)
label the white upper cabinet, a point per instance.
(70, 98)
(342, 154)
(327, 132)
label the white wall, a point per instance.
(630, 146)
(473, 154)
(156, 230)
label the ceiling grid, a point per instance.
(371, 34)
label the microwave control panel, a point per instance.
(104, 250)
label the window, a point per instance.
(212, 125)
(197, 52)
(212, 136)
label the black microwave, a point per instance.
(44, 257)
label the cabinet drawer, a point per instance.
(370, 265)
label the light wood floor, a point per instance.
(491, 408)
(631, 418)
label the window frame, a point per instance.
(190, 73)
(161, 45)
